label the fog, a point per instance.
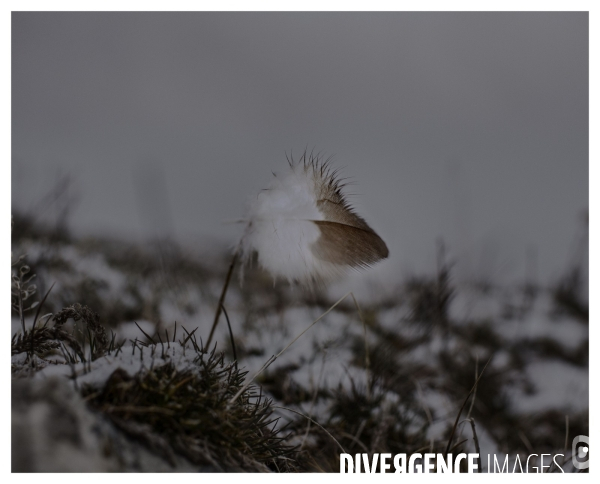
(466, 127)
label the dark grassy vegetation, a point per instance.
(188, 412)
(282, 423)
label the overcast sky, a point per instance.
(468, 126)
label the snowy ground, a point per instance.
(426, 339)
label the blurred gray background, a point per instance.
(471, 127)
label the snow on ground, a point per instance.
(557, 385)
(330, 356)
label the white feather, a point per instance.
(281, 228)
(304, 230)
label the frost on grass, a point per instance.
(174, 399)
(187, 412)
(117, 347)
